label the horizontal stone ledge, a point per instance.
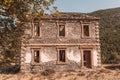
(91, 44)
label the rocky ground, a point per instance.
(107, 73)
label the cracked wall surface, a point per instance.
(73, 43)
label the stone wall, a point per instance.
(73, 31)
(48, 59)
(49, 41)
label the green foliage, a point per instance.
(14, 14)
(109, 34)
(10, 41)
(26, 10)
(7, 69)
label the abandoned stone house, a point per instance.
(70, 42)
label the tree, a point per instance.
(21, 9)
(109, 34)
(13, 16)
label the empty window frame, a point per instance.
(61, 56)
(62, 30)
(36, 30)
(85, 31)
(87, 58)
(35, 55)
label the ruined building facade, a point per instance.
(70, 42)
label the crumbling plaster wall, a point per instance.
(50, 54)
(48, 58)
(73, 54)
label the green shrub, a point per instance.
(5, 69)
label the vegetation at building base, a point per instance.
(109, 34)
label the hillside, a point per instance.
(109, 34)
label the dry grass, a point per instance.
(103, 74)
(81, 74)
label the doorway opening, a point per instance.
(87, 58)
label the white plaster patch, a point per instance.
(28, 55)
(95, 57)
(71, 56)
(44, 58)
